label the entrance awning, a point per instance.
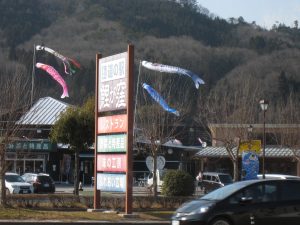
(217, 152)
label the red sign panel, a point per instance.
(111, 162)
(112, 124)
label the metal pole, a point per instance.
(32, 76)
(264, 145)
(130, 118)
(97, 193)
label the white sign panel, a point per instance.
(112, 83)
(111, 182)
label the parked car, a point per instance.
(41, 182)
(213, 180)
(258, 202)
(278, 176)
(15, 184)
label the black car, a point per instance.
(41, 182)
(259, 202)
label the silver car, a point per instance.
(15, 184)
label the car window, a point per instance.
(225, 179)
(215, 179)
(45, 179)
(14, 178)
(225, 191)
(258, 193)
(290, 191)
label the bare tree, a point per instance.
(289, 121)
(14, 101)
(156, 125)
(228, 114)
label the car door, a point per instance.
(266, 207)
(288, 207)
(241, 208)
(250, 205)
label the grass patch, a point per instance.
(63, 215)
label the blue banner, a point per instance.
(250, 165)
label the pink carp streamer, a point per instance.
(56, 76)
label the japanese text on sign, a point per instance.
(112, 124)
(111, 163)
(112, 83)
(112, 95)
(113, 68)
(111, 143)
(111, 182)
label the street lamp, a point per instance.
(250, 129)
(264, 106)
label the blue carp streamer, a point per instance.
(159, 99)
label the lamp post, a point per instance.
(264, 106)
(250, 129)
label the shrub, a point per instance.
(178, 183)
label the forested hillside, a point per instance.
(179, 33)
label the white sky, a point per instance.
(264, 12)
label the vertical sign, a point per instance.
(114, 126)
(112, 83)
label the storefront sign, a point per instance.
(254, 145)
(111, 143)
(39, 145)
(111, 162)
(112, 83)
(112, 124)
(111, 182)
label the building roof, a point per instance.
(45, 111)
(270, 152)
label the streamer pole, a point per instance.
(32, 76)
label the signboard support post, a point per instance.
(130, 107)
(97, 193)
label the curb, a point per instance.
(57, 222)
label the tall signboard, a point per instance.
(114, 126)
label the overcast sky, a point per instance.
(264, 12)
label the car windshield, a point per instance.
(45, 179)
(14, 178)
(225, 179)
(225, 191)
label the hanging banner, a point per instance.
(250, 165)
(112, 124)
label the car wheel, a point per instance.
(220, 221)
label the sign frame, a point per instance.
(113, 106)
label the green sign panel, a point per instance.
(111, 143)
(32, 145)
